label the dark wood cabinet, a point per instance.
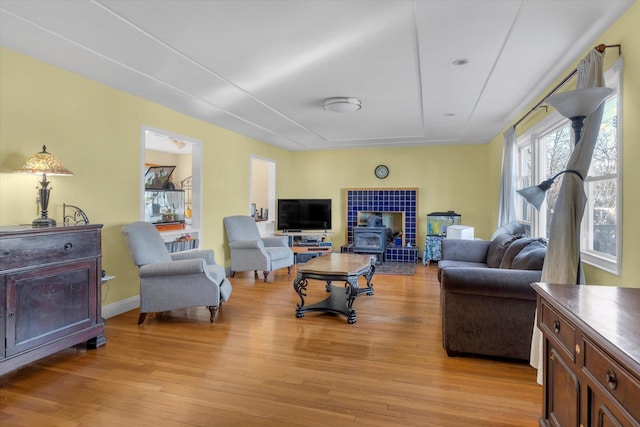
(50, 288)
(591, 353)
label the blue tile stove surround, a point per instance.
(386, 200)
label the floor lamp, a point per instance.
(575, 105)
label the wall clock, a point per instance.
(381, 171)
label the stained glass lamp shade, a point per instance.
(44, 163)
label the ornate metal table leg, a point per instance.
(328, 286)
(351, 288)
(369, 275)
(300, 285)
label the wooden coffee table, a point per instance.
(335, 267)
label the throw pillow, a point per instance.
(497, 248)
(530, 257)
(513, 250)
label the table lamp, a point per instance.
(44, 163)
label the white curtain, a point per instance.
(562, 262)
(507, 207)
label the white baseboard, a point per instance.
(119, 307)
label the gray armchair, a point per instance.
(249, 251)
(169, 281)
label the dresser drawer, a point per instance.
(603, 370)
(559, 328)
(31, 250)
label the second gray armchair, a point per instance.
(249, 251)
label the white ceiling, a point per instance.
(262, 67)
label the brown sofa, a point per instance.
(487, 302)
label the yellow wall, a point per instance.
(95, 131)
(447, 178)
(626, 33)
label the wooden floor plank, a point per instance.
(259, 365)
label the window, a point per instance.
(544, 151)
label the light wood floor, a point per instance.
(261, 366)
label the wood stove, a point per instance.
(370, 240)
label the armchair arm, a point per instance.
(206, 254)
(246, 244)
(282, 241)
(172, 268)
(465, 250)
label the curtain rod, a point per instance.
(600, 48)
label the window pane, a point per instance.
(557, 147)
(605, 153)
(525, 210)
(603, 222)
(524, 181)
(525, 161)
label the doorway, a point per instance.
(160, 147)
(262, 194)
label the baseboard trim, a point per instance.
(119, 307)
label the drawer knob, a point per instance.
(612, 382)
(556, 327)
(68, 246)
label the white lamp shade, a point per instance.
(579, 102)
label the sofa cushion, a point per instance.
(497, 249)
(531, 257)
(443, 264)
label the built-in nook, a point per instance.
(398, 208)
(394, 221)
(182, 156)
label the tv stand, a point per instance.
(307, 244)
(304, 235)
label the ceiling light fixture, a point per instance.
(178, 143)
(342, 104)
(460, 62)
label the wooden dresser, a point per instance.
(50, 295)
(591, 355)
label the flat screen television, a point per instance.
(304, 214)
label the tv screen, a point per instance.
(304, 214)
